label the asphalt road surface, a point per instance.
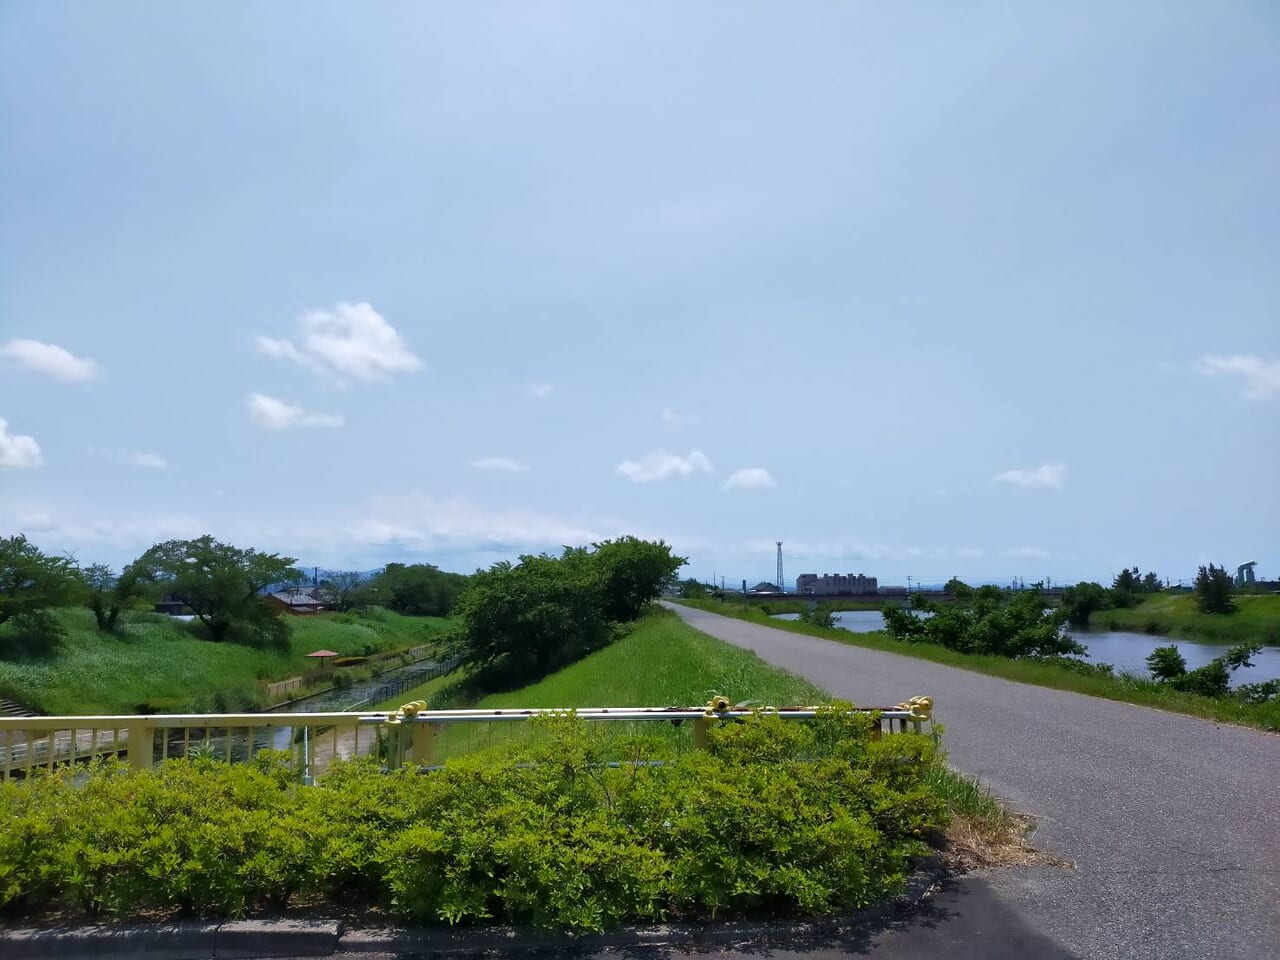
(1173, 822)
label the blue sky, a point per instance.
(920, 290)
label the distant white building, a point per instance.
(835, 584)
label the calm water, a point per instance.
(1121, 649)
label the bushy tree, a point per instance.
(1213, 590)
(520, 621)
(956, 587)
(1083, 599)
(1151, 583)
(635, 573)
(32, 583)
(691, 589)
(418, 589)
(1167, 665)
(223, 586)
(990, 620)
(821, 615)
(346, 590)
(107, 595)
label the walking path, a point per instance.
(1173, 821)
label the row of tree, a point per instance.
(416, 590)
(521, 621)
(221, 584)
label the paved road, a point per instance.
(1173, 822)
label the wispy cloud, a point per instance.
(1045, 475)
(351, 341)
(540, 391)
(1261, 376)
(676, 420)
(501, 464)
(969, 553)
(51, 360)
(150, 461)
(750, 478)
(272, 414)
(17, 451)
(661, 465)
(1027, 553)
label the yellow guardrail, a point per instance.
(406, 735)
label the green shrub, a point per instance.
(776, 816)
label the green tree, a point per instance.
(957, 588)
(635, 573)
(346, 590)
(1213, 590)
(107, 595)
(417, 590)
(520, 621)
(691, 589)
(223, 586)
(1083, 599)
(32, 583)
(1168, 666)
(821, 615)
(990, 620)
(1151, 583)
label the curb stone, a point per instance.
(248, 939)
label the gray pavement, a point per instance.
(1173, 822)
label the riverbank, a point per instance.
(1125, 688)
(156, 664)
(1255, 620)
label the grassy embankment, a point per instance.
(1128, 689)
(159, 664)
(1255, 620)
(665, 662)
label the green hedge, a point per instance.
(777, 817)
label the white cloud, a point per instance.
(677, 420)
(272, 414)
(1027, 553)
(1045, 475)
(50, 359)
(750, 478)
(661, 465)
(1261, 377)
(352, 341)
(502, 464)
(540, 391)
(151, 461)
(969, 553)
(16, 450)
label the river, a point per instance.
(1122, 649)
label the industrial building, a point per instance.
(835, 584)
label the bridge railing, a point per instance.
(413, 734)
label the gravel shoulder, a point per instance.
(1172, 821)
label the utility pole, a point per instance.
(781, 585)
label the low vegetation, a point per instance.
(1256, 619)
(154, 663)
(775, 817)
(1063, 673)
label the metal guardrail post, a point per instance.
(422, 738)
(141, 743)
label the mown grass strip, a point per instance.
(1127, 689)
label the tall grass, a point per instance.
(157, 664)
